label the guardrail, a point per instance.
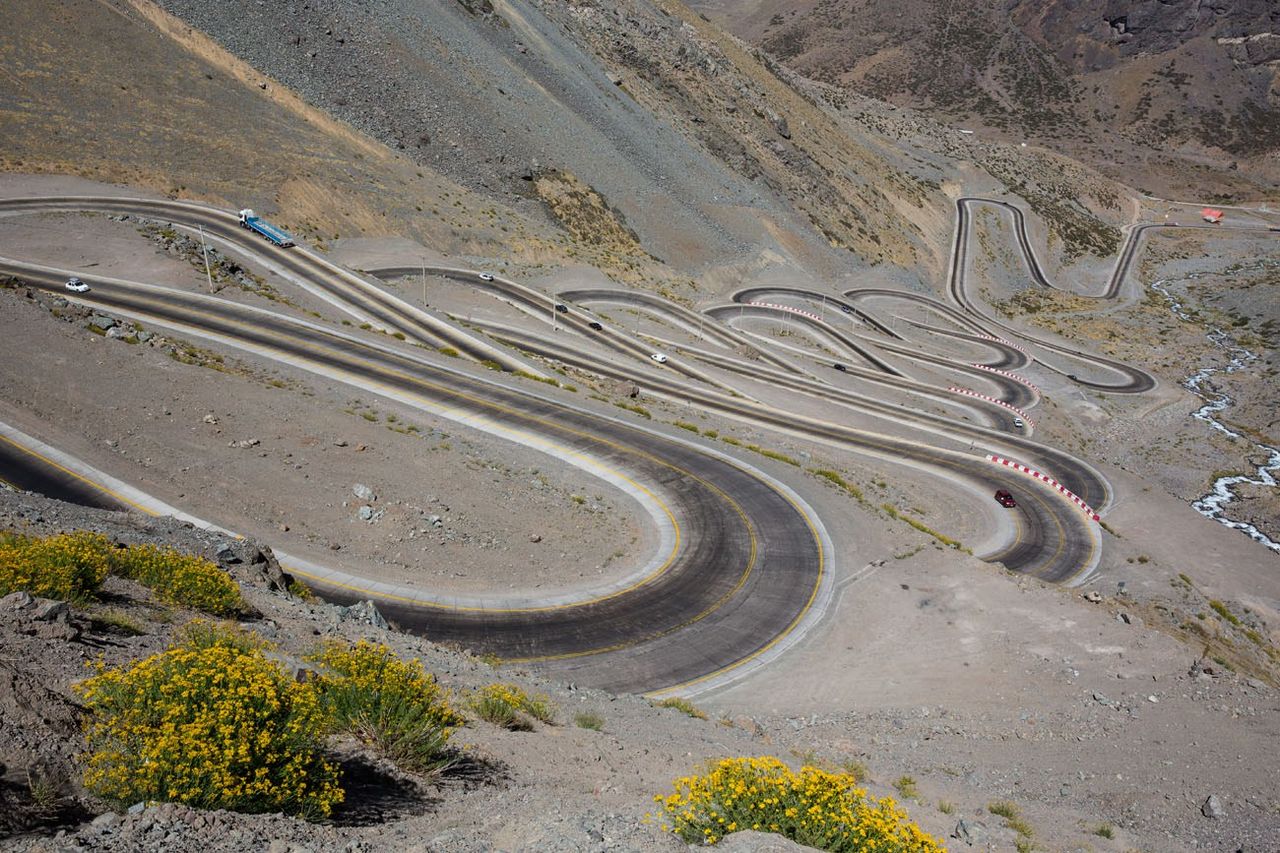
(1045, 478)
(956, 390)
(1015, 377)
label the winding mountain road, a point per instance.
(744, 565)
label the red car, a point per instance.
(1005, 499)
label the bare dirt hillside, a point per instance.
(155, 105)
(691, 139)
(639, 139)
(1126, 85)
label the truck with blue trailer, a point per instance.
(265, 228)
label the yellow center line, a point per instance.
(99, 486)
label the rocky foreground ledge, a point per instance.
(585, 780)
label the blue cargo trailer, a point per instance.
(265, 228)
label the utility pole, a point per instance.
(205, 251)
(701, 317)
(424, 283)
(823, 316)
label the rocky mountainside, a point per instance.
(637, 138)
(699, 146)
(1199, 81)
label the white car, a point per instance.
(1017, 422)
(659, 357)
(486, 276)
(76, 286)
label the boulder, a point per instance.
(1212, 808)
(362, 611)
(780, 125)
(17, 601)
(970, 832)
(226, 554)
(47, 610)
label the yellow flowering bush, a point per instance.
(509, 706)
(210, 723)
(393, 705)
(813, 807)
(70, 567)
(73, 566)
(178, 578)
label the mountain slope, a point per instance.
(698, 146)
(1101, 77)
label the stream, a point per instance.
(1214, 504)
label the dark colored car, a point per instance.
(563, 309)
(593, 324)
(1004, 498)
(840, 367)
(846, 309)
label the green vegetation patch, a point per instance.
(894, 512)
(684, 706)
(838, 480)
(589, 720)
(392, 705)
(1223, 611)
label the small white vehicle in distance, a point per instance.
(1017, 422)
(75, 285)
(659, 357)
(486, 276)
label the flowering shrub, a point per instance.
(815, 808)
(511, 707)
(211, 723)
(178, 578)
(385, 702)
(70, 567)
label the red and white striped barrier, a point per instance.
(1015, 377)
(800, 311)
(1003, 341)
(1045, 478)
(954, 390)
